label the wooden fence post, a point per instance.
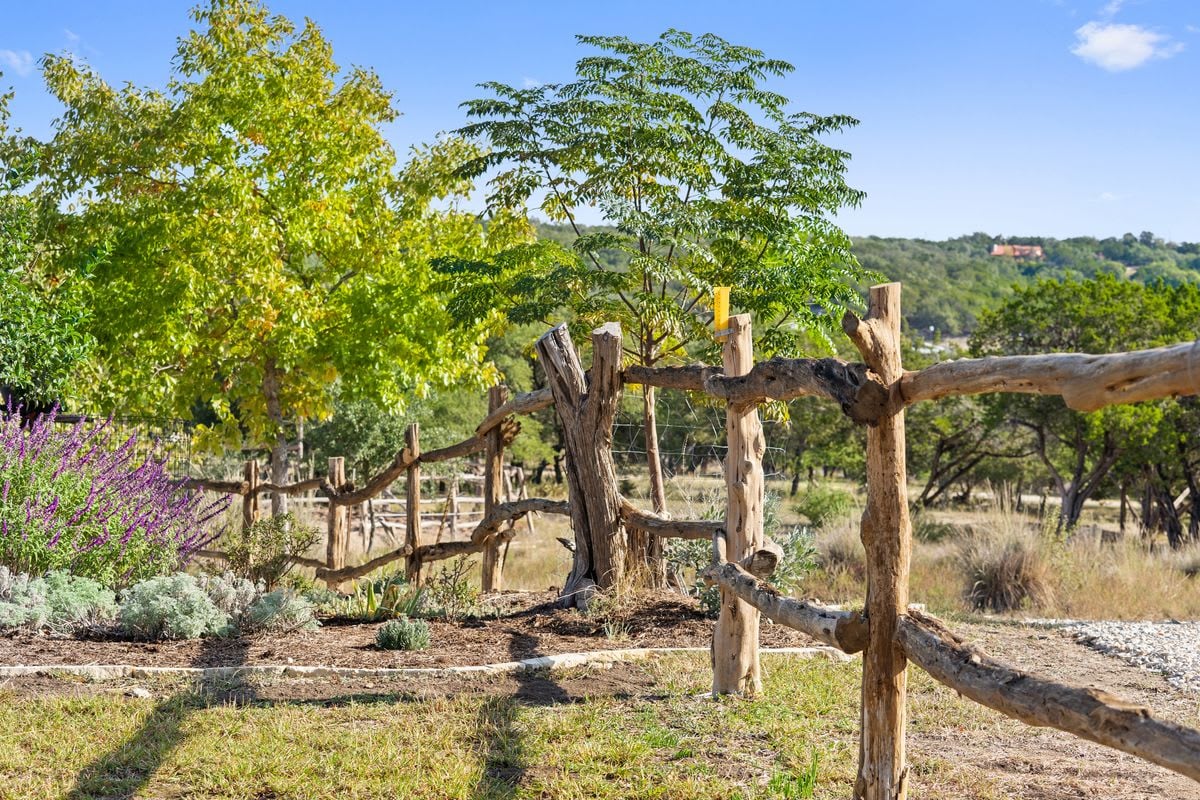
(250, 498)
(412, 509)
(587, 410)
(735, 639)
(887, 538)
(337, 522)
(493, 483)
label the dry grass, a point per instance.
(1008, 560)
(1006, 572)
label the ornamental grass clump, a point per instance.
(71, 501)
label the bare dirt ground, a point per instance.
(529, 628)
(1040, 763)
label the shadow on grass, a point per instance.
(126, 769)
(497, 734)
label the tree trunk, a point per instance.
(887, 537)
(736, 667)
(646, 560)
(587, 408)
(279, 452)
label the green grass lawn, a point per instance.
(672, 742)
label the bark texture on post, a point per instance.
(338, 537)
(250, 498)
(886, 535)
(587, 409)
(845, 630)
(412, 508)
(735, 641)
(493, 477)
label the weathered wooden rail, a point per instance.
(874, 393)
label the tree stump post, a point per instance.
(587, 408)
(412, 504)
(337, 540)
(887, 538)
(250, 498)
(493, 483)
(735, 640)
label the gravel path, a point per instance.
(1171, 649)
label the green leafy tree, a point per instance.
(43, 340)
(1102, 315)
(267, 252)
(704, 178)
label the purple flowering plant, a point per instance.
(71, 499)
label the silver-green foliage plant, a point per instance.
(280, 610)
(22, 601)
(403, 634)
(76, 601)
(231, 594)
(58, 599)
(171, 607)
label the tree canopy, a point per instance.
(267, 253)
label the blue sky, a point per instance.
(1016, 117)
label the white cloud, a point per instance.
(71, 35)
(19, 61)
(1108, 197)
(1191, 28)
(1116, 47)
(1112, 8)
(531, 83)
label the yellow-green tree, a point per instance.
(266, 251)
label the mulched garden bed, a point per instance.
(528, 627)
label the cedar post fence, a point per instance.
(412, 499)
(493, 466)
(887, 539)
(338, 521)
(874, 393)
(250, 498)
(735, 640)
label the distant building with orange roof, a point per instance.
(1033, 251)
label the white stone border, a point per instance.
(600, 658)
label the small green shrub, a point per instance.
(451, 593)
(383, 598)
(927, 529)
(171, 607)
(799, 558)
(230, 594)
(1006, 572)
(403, 634)
(75, 601)
(821, 505)
(280, 610)
(266, 550)
(23, 601)
(63, 601)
